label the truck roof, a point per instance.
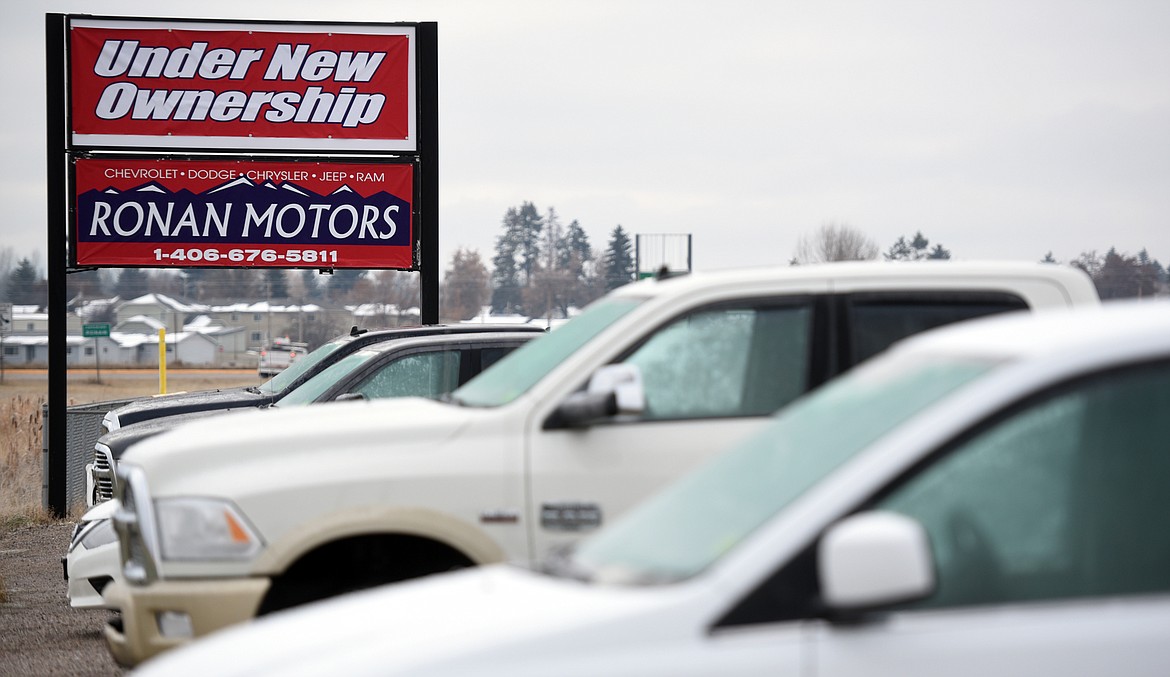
(851, 275)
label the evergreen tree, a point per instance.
(899, 251)
(574, 251)
(919, 243)
(195, 282)
(1151, 268)
(506, 288)
(619, 259)
(311, 285)
(529, 226)
(576, 264)
(25, 285)
(342, 282)
(82, 285)
(1119, 275)
(915, 250)
(939, 253)
(277, 283)
(132, 283)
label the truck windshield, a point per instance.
(685, 529)
(512, 376)
(309, 391)
(299, 367)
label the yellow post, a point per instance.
(162, 361)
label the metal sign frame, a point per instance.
(61, 146)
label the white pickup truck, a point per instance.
(250, 513)
(997, 506)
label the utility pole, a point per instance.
(5, 327)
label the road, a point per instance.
(90, 374)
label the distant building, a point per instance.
(381, 315)
(197, 334)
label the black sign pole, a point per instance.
(428, 125)
(56, 187)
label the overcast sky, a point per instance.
(998, 129)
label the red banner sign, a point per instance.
(139, 83)
(243, 213)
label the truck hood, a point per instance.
(182, 403)
(191, 449)
(492, 620)
(118, 441)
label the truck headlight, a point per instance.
(94, 534)
(204, 529)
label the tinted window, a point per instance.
(737, 361)
(489, 356)
(1065, 498)
(875, 321)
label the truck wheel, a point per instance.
(358, 563)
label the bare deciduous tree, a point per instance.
(466, 285)
(835, 242)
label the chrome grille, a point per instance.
(103, 475)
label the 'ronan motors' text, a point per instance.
(285, 222)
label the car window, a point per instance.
(299, 367)
(686, 528)
(877, 320)
(523, 368)
(727, 361)
(428, 374)
(309, 391)
(1067, 497)
(489, 356)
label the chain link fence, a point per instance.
(83, 427)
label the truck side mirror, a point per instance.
(874, 559)
(613, 390)
(625, 382)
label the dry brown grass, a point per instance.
(23, 393)
(20, 466)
